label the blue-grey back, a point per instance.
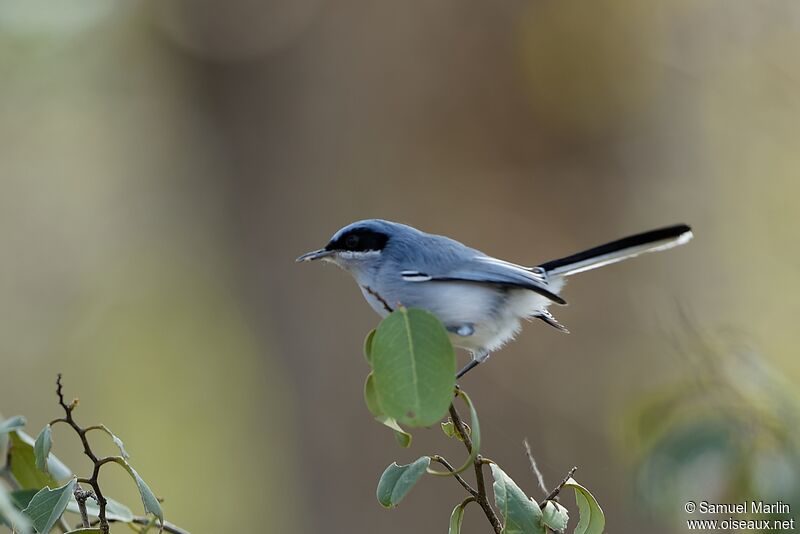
(412, 249)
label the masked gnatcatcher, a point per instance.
(481, 300)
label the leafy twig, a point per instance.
(480, 497)
(87, 450)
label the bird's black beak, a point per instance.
(314, 255)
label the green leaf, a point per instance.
(22, 498)
(370, 398)
(368, 346)
(449, 429)
(41, 448)
(555, 516)
(402, 437)
(47, 506)
(23, 465)
(592, 520)
(86, 531)
(521, 515)
(115, 511)
(10, 514)
(149, 500)
(397, 480)
(457, 517)
(414, 367)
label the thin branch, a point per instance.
(108, 459)
(534, 467)
(553, 494)
(472, 491)
(80, 497)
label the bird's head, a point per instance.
(358, 245)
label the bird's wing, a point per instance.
(488, 270)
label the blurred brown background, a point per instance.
(163, 163)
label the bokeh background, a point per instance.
(163, 163)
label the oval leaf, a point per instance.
(398, 480)
(41, 448)
(457, 517)
(47, 506)
(592, 520)
(414, 366)
(555, 516)
(521, 515)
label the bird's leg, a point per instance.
(466, 369)
(477, 358)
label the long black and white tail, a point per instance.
(621, 249)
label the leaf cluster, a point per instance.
(412, 383)
(37, 489)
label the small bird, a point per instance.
(481, 300)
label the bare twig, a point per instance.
(80, 497)
(534, 467)
(553, 494)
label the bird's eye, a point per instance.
(351, 241)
